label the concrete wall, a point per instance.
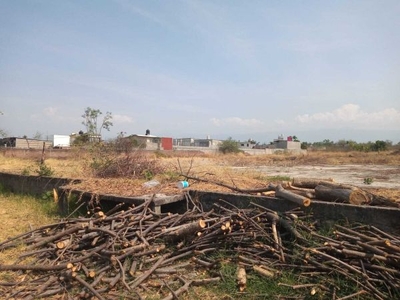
(190, 142)
(284, 144)
(148, 142)
(34, 185)
(272, 151)
(32, 144)
(385, 218)
(215, 149)
(22, 143)
(36, 153)
(208, 150)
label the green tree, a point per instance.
(379, 146)
(91, 121)
(229, 146)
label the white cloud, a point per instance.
(122, 119)
(235, 121)
(50, 111)
(351, 115)
(280, 122)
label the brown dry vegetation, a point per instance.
(75, 163)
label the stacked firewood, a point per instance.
(135, 252)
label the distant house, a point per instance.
(288, 143)
(83, 138)
(24, 143)
(249, 144)
(201, 143)
(151, 142)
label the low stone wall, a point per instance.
(272, 151)
(207, 150)
(33, 185)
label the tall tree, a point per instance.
(91, 121)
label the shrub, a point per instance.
(229, 146)
(44, 170)
(108, 162)
(368, 180)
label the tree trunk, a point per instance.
(353, 196)
(185, 229)
(309, 183)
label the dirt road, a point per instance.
(383, 176)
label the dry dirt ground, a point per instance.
(245, 172)
(383, 176)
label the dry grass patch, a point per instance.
(20, 214)
(14, 165)
(310, 158)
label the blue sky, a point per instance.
(242, 69)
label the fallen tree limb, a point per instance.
(245, 191)
(280, 192)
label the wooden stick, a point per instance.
(280, 192)
(89, 287)
(179, 291)
(145, 275)
(245, 191)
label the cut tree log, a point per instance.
(309, 183)
(334, 185)
(308, 193)
(353, 196)
(63, 244)
(262, 270)
(376, 200)
(241, 278)
(280, 192)
(185, 230)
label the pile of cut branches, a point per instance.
(303, 191)
(135, 252)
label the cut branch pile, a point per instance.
(129, 254)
